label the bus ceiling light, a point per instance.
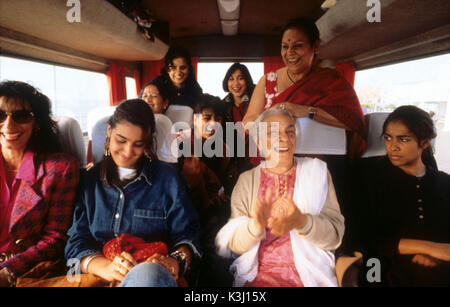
(229, 16)
(229, 9)
(230, 27)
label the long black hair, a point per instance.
(44, 138)
(420, 124)
(138, 113)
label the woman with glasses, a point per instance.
(178, 76)
(37, 184)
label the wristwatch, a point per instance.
(180, 257)
(312, 112)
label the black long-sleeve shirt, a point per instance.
(394, 205)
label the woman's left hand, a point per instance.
(168, 262)
(285, 216)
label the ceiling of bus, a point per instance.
(38, 29)
(408, 28)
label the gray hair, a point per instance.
(271, 112)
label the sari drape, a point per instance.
(327, 90)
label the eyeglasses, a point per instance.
(20, 116)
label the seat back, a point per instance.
(98, 136)
(164, 138)
(374, 128)
(96, 114)
(177, 113)
(319, 139)
(71, 138)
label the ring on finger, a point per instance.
(282, 106)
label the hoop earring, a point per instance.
(106, 151)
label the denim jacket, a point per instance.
(155, 206)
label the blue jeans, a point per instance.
(148, 274)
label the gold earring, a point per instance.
(146, 154)
(106, 151)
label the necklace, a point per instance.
(289, 76)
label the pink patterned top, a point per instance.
(276, 266)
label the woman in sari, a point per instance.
(306, 90)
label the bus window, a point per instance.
(73, 92)
(210, 75)
(131, 87)
(423, 83)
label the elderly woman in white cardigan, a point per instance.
(285, 221)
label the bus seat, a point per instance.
(71, 138)
(311, 138)
(177, 113)
(349, 264)
(96, 114)
(98, 138)
(374, 128)
(164, 138)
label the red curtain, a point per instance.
(150, 70)
(194, 61)
(137, 79)
(347, 70)
(272, 63)
(116, 81)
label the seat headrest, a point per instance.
(98, 138)
(71, 138)
(320, 139)
(178, 113)
(374, 128)
(164, 138)
(96, 114)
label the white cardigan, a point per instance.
(315, 265)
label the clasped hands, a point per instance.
(279, 216)
(122, 264)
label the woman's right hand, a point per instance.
(112, 270)
(261, 211)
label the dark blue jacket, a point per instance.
(186, 96)
(155, 206)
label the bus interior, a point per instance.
(110, 48)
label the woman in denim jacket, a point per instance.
(131, 192)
